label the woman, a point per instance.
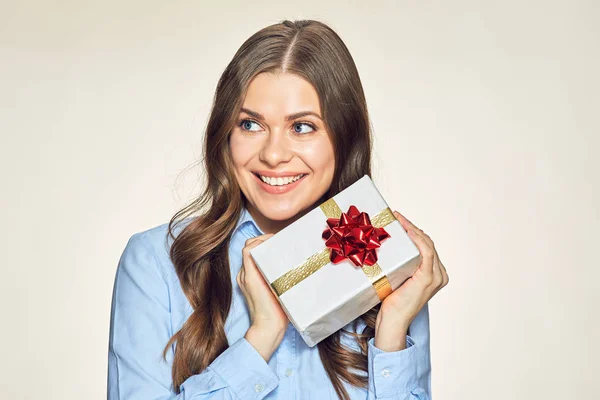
(288, 129)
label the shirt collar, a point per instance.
(246, 221)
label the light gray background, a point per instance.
(487, 133)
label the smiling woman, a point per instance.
(274, 158)
(289, 128)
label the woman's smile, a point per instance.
(278, 183)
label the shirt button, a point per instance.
(258, 388)
(385, 373)
(288, 372)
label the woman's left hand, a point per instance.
(401, 306)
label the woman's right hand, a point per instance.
(268, 320)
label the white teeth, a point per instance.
(280, 181)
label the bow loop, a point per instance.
(353, 237)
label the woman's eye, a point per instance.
(246, 124)
(299, 124)
(299, 127)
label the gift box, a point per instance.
(337, 261)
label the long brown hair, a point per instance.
(313, 51)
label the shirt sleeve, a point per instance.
(403, 374)
(140, 327)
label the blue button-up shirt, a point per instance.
(149, 306)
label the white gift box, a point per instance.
(321, 297)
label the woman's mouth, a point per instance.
(278, 185)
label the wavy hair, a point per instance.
(313, 51)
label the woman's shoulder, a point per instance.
(153, 245)
(158, 236)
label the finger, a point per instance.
(253, 242)
(241, 280)
(261, 238)
(406, 224)
(438, 278)
(427, 253)
(445, 278)
(410, 225)
(432, 268)
(438, 272)
(416, 230)
(425, 236)
(248, 264)
(445, 274)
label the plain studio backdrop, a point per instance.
(486, 124)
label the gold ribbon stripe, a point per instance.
(318, 260)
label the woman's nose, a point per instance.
(276, 148)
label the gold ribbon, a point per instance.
(318, 260)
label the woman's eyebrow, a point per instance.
(287, 118)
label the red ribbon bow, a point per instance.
(352, 236)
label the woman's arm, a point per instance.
(404, 374)
(140, 328)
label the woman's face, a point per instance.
(282, 154)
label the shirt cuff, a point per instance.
(241, 368)
(392, 372)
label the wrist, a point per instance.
(390, 333)
(265, 339)
(268, 325)
(391, 340)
